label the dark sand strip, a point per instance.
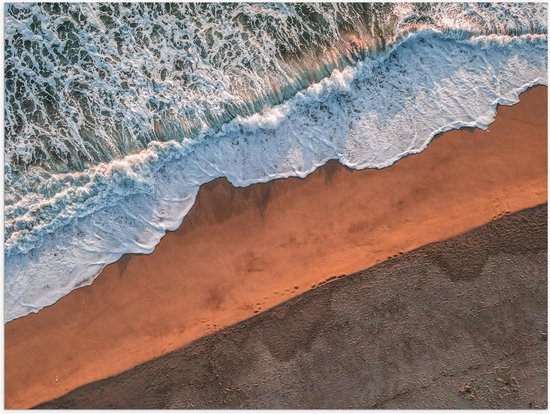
(455, 324)
(241, 251)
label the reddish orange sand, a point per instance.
(243, 250)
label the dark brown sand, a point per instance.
(456, 324)
(241, 251)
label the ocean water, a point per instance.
(116, 114)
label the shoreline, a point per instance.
(272, 241)
(258, 148)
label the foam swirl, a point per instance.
(104, 161)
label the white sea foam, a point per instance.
(366, 116)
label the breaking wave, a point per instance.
(116, 114)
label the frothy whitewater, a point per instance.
(116, 114)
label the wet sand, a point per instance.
(241, 251)
(455, 324)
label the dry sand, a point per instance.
(241, 251)
(456, 324)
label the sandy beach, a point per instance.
(456, 324)
(241, 251)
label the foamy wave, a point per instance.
(89, 83)
(366, 116)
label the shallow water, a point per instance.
(114, 118)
